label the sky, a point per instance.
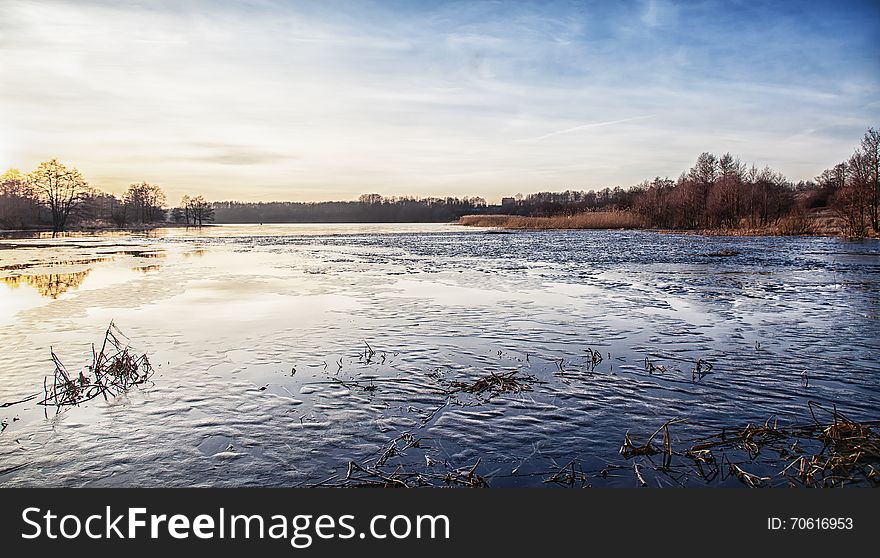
(306, 101)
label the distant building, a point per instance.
(508, 201)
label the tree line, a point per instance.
(725, 193)
(722, 192)
(717, 192)
(369, 208)
(57, 197)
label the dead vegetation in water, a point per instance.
(361, 476)
(494, 384)
(376, 472)
(833, 452)
(701, 368)
(650, 367)
(580, 370)
(114, 370)
(721, 254)
(571, 475)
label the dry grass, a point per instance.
(815, 222)
(493, 384)
(378, 473)
(365, 476)
(832, 451)
(587, 220)
(571, 475)
(798, 223)
(114, 369)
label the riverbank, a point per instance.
(816, 223)
(590, 220)
(97, 228)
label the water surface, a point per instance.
(261, 338)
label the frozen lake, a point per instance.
(283, 353)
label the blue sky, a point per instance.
(327, 100)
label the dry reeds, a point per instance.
(585, 220)
(798, 223)
(700, 370)
(493, 384)
(835, 452)
(631, 449)
(364, 476)
(571, 475)
(114, 369)
(595, 358)
(373, 472)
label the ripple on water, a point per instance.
(281, 357)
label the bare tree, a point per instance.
(197, 210)
(852, 200)
(60, 189)
(653, 202)
(370, 198)
(183, 212)
(871, 150)
(723, 203)
(144, 203)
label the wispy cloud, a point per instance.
(588, 126)
(232, 154)
(427, 98)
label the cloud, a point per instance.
(586, 127)
(230, 154)
(426, 98)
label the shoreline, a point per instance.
(626, 221)
(101, 229)
(500, 224)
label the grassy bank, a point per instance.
(815, 223)
(589, 220)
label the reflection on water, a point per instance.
(147, 268)
(143, 254)
(53, 263)
(283, 353)
(50, 285)
(223, 231)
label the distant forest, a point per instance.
(370, 208)
(717, 192)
